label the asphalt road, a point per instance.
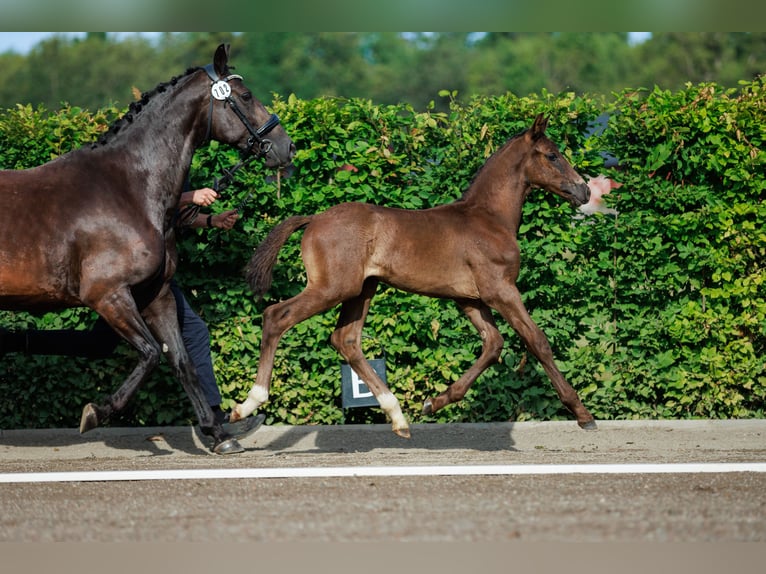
(697, 505)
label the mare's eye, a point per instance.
(247, 96)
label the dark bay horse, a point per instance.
(94, 227)
(465, 251)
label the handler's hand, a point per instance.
(225, 220)
(204, 196)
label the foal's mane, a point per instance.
(489, 161)
(136, 107)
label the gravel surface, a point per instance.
(697, 507)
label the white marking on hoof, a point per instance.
(390, 405)
(255, 398)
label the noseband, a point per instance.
(221, 91)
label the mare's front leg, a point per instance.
(480, 316)
(513, 310)
(347, 339)
(162, 319)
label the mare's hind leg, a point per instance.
(480, 316)
(120, 312)
(347, 339)
(513, 310)
(162, 319)
(277, 319)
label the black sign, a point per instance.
(355, 392)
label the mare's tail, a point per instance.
(261, 265)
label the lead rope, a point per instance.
(185, 216)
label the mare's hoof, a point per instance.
(428, 408)
(404, 433)
(229, 446)
(590, 425)
(89, 418)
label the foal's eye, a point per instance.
(552, 156)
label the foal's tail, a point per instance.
(261, 265)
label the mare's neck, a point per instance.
(158, 142)
(167, 129)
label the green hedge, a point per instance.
(658, 312)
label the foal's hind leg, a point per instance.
(480, 316)
(513, 310)
(277, 319)
(347, 339)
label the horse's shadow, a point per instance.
(366, 438)
(306, 439)
(153, 441)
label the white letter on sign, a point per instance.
(356, 387)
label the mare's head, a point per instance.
(234, 109)
(547, 168)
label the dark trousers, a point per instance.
(100, 341)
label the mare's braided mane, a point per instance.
(135, 108)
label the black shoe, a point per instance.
(219, 417)
(245, 427)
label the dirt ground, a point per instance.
(687, 507)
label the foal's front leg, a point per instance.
(513, 310)
(480, 316)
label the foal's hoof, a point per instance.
(89, 418)
(589, 425)
(229, 446)
(404, 433)
(428, 408)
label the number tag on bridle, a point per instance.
(220, 90)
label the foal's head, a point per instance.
(547, 168)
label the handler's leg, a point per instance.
(196, 338)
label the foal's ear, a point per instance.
(538, 128)
(221, 60)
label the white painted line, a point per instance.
(345, 471)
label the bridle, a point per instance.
(221, 91)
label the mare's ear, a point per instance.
(221, 60)
(538, 128)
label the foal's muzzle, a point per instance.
(579, 194)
